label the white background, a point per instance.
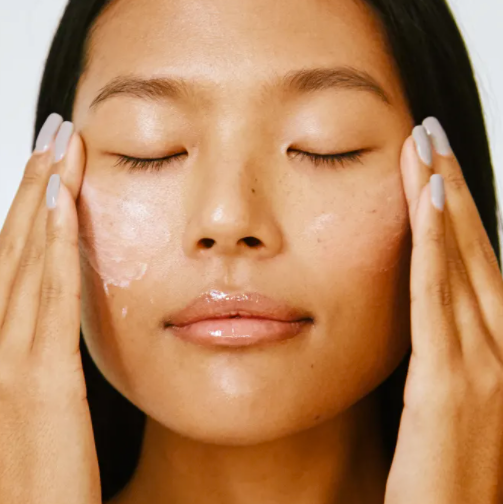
(27, 27)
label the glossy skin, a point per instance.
(334, 240)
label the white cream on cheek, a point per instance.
(120, 233)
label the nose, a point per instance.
(230, 214)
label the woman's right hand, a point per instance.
(47, 448)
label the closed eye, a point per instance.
(156, 164)
(332, 159)
(146, 164)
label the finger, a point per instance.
(476, 343)
(474, 244)
(21, 316)
(433, 329)
(417, 168)
(470, 326)
(21, 216)
(416, 171)
(71, 164)
(58, 324)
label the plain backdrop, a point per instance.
(27, 27)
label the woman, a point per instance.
(280, 165)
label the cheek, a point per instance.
(367, 237)
(120, 234)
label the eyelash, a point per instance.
(154, 165)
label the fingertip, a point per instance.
(47, 133)
(437, 191)
(60, 203)
(407, 156)
(423, 145)
(421, 210)
(409, 166)
(52, 191)
(73, 171)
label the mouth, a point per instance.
(239, 320)
(238, 332)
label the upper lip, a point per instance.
(217, 305)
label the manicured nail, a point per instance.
(62, 140)
(53, 191)
(437, 191)
(423, 145)
(47, 132)
(440, 140)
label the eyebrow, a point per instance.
(301, 81)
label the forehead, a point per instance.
(243, 42)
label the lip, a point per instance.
(242, 319)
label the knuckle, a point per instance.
(456, 180)
(9, 250)
(6, 380)
(32, 256)
(14, 378)
(435, 383)
(48, 387)
(440, 292)
(39, 382)
(452, 387)
(55, 291)
(41, 378)
(34, 175)
(53, 236)
(450, 393)
(58, 236)
(434, 236)
(488, 384)
(36, 170)
(481, 247)
(441, 391)
(455, 262)
(52, 291)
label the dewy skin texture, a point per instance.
(119, 249)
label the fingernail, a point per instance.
(423, 145)
(47, 132)
(62, 140)
(437, 191)
(437, 132)
(53, 191)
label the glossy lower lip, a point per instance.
(238, 332)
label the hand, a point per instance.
(47, 453)
(450, 442)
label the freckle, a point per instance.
(317, 417)
(253, 191)
(312, 366)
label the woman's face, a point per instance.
(333, 240)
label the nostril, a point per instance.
(252, 241)
(207, 242)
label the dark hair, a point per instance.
(438, 80)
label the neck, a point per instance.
(339, 461)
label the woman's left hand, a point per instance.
(450, 441)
